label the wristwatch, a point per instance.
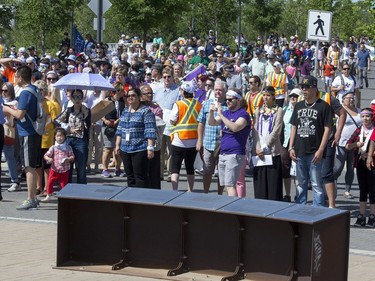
(290, 149)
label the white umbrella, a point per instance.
(84, 81)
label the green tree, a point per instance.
(42, 18)
(264, 16)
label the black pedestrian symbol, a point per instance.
(320, 24)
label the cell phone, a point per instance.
(216, 102)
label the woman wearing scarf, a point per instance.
(268, 123)
(366, 177)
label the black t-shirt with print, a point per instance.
(310, 120)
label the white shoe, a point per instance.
(47, 199)
(14, 187)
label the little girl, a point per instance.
(60, 156)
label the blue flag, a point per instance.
(78, 40)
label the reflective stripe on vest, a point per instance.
(278, 83)
(187, 124)
(322, 95)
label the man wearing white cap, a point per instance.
(279, 81)
(200, 58)
(184, 134)
(235, 125)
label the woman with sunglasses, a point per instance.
(135, 138)
(76, 120)
(342, 155)
(286, 161)
(9, 98)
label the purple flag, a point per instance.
(193, 75)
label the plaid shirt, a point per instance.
(58, 155)
(211, 133)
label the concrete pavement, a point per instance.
(28, 238)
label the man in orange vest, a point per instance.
(279, 81)
(184, 134)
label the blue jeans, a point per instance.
(307, 170)
(12, 162)
(81, 151)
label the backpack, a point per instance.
(41, 117)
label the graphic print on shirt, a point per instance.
(306, 125)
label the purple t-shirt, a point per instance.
(235, 143)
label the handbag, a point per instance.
(110, 131)
(9, 135)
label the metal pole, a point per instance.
(239, 29)
(100, 21)
(316, 58)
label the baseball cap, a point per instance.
(296, 91)
(201, 48)
(277, 64)
(309, 81)
(188, 86)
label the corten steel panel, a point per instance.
(254, 207)
(322, 243)
(146, 196)
(89, 232)
(268, 247)
(153, 236)
(89, 191)
(212, 241)
(199, 201)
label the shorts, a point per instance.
(229, 168)
(328, 81)
(30, 150)
(180, 154)
(209, 162)
(43, 163)
(108, 142)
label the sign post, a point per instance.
(318, 29)
(99, 7)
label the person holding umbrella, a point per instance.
(76, 120)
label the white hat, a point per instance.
(189, 87)
(277, 64)
(296, 91)
(201, 48)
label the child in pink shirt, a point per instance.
(60, 155)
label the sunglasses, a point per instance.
(167, 77)
(252, 82)
(51, 79)
(346, 68)
(77, 97)
(305, 86)
(4, 90)
(293, 96)
(147, 93)
(130, 96)
(230, 100)
(29, 63)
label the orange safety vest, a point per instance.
(187, 125)
(278, 82)
(253, 104)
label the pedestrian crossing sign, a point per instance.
(319, 25)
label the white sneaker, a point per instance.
(47, 199)
(14, 187)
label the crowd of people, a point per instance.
(257, 106)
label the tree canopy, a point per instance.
(42, 22)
